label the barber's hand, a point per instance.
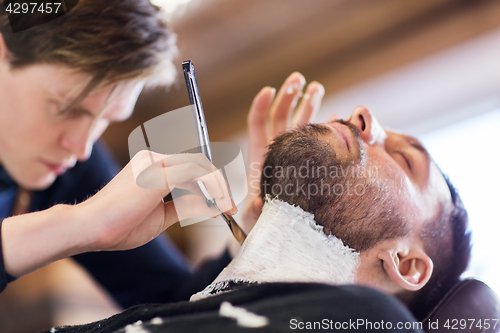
(124, 215)
(269, 116)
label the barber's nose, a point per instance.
(78, 144)
(368, 126)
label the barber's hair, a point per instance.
(112, 40)
(447, 241)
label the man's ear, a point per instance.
(410, 269)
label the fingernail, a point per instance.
(292, 87)
(316, 98)
(234, 210)
(273, 91)
(302, 80)
(318, 95)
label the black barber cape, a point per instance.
(287, 307)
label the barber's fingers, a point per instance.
(173, 170)
(190, 171)
(144, 159)
(213, 185)
(333, 117)
(258, 137)
(257, 118)
(309, 105)
(198, 158)
(285, 103)
(213, 174)
(189, 206)
(225, 204)
(185, 170)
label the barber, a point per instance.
(61, 84)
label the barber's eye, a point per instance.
(77, 113)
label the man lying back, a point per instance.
(382, 215)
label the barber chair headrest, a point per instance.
(470, 300)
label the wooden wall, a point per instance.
(240, 46)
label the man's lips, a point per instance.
(341, 131)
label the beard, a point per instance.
(350, 201)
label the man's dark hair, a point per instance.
(447, 241)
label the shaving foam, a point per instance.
(286, 245)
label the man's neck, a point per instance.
(286, 245)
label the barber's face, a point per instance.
(403, 167)
(39, 142)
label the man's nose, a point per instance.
(368, 126)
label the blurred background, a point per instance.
(426, 67)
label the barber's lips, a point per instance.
(56, 168)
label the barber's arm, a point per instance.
(121, 216)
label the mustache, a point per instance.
(355, 131)
(322, 129)
(308, 138)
